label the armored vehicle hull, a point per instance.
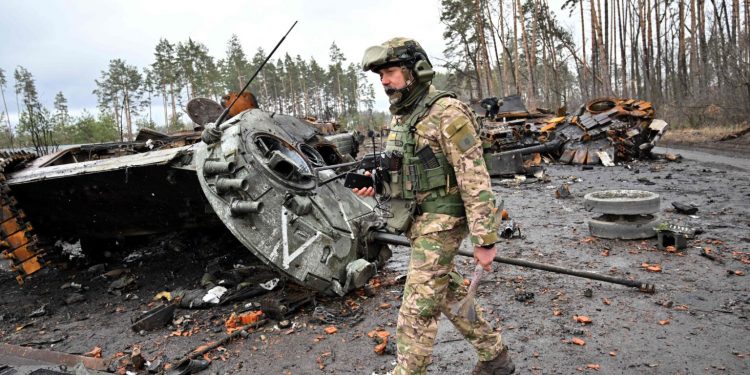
(257, 178)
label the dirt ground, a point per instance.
(695, 323)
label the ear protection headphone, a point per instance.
(422, 67)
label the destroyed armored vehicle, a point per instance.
(255, 174)
(605, 130)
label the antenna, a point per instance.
(226, 110)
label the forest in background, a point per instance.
(690, 58)
(126, 93)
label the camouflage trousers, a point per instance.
(433, 287)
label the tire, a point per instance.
(622, 202)
(623, 228)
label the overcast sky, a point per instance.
(66, 44)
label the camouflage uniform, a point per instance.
(453, 195)
(432, 285)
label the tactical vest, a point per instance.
(414, 176)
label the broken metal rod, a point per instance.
(393, 239)
(203, 349)
(58, 358)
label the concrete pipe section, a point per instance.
(626, 214)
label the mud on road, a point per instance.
(695, 323)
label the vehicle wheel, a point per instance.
(622, 202)
(623, 227)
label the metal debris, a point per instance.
(673, 235)
(49, 356)
(605, 130)
(686, 209)
(155, 318)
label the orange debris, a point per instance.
(577, 341)
(96, 352)
(381, 338)
(651, 267)
(235, 321)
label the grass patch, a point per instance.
(701, 135)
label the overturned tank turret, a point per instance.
(264, 189)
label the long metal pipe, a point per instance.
(545, 147)
(392, 239)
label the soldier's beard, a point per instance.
(395, 95)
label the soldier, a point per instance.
(437, 190)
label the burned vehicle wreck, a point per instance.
(254, 174)
(604, 130)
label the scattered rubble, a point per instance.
(603, 131)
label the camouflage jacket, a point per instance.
(450, 128)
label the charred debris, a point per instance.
(603, 131)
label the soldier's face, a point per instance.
(392, 78)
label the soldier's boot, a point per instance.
(501, 365)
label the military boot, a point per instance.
(501, 365)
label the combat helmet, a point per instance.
(399, 52)
(412, 58)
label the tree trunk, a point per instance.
(150, 119)
(681, 57)
(702, 45)
(693, 73)
(623, 57)
(118, 118)
(530, 96)
(7, 117)
(483, 49)
(735, 23)
(166, 104)
(533, 43)
(304, 95)
(658, 57)
(654, 89)
(126, 104)
(595, 68)
(500, 76)
(635, 76)
(516, 63)
(174, 105)
(584, 69)
(645, 57)
(722, 63)
(605, 42)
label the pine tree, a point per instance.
(235, 67)
(34, 121)
(5, 106)
(166, 71)
(61, 117)
(120, 87)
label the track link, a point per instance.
(17, 240)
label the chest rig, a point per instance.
(421, 172)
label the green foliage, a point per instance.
(88, 129)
